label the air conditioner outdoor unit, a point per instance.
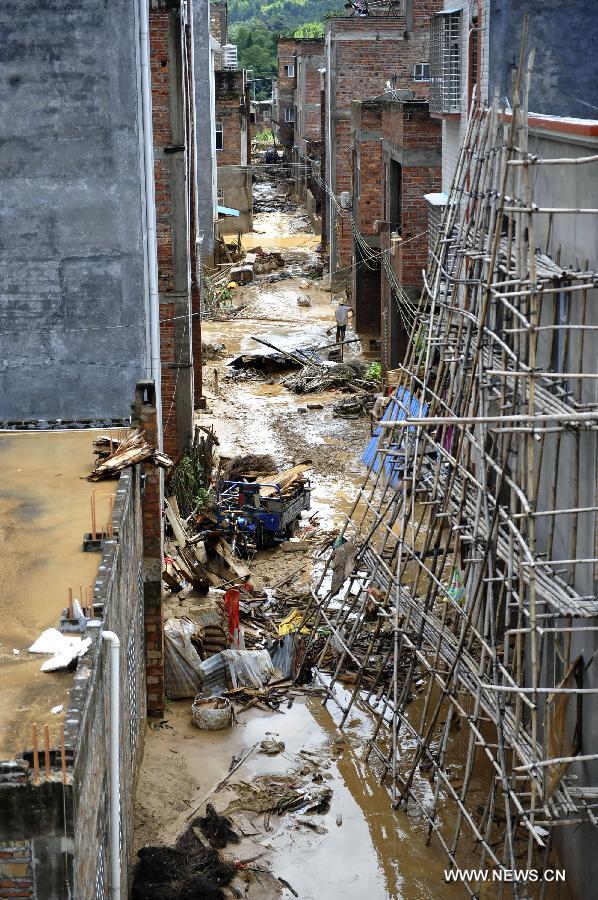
(229, 56)
(346, 199)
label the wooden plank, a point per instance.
(285, 479)
(232, 561)
(176, 525)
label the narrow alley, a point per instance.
(359, 845)
(298, 450)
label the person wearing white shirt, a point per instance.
(342, 317)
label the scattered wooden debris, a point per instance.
(135, 448)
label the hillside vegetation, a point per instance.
(282, 16)
(256, 25)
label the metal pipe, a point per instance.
(115, 874)
(489, 420)
(150, 207)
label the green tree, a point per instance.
(309, 30)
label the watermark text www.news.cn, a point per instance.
(505, 875)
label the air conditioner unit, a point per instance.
(229, 56)
(346, 199)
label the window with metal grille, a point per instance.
(436, 206)
(445, 61)
(100, 875)
(220, 195)
(219, 136)
(421, 72)
(289, 115)
(473, 73)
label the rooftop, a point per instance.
(44, 511)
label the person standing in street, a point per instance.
(342, 317)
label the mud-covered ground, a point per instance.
(359, 847)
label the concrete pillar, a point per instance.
(323, 173)
(145, 416)
(171, 140)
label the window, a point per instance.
(445, 62)
(219, 136)
(473, 74)
(289, 71)
(220, 196)
(289, 115)
(421, 72)
(436, 206)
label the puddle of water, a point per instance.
(375, 852)
(44, 511)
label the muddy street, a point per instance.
(354, 844)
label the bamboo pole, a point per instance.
(35, 754)
(62, 755)
(47, 751)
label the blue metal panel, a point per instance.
(226, 211)
(400, 402)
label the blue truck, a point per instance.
(255, 514)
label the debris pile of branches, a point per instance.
(135, 448)
(188, 871)
(189, 480)
(354, 406)
(314, 378)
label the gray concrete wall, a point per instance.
(564, 36)
(203, 77)
(72, 332)
(55, 833)
(570, 465)
(238, 194)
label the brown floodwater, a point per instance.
(368, 849)
(375, 852)
(44, 511)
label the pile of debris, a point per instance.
(316, 377)
(113, 456)
(356, 405)
(264, 262)
(188, 871)
(227, 845)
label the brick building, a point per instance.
(173, 148)
(307, 134)
(283, 112)
(396, 162)
(412, 169)
(233, 152)
(362, 54)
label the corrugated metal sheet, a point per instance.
(214, 672)
(400, 402)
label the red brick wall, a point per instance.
(171, 130)
(153, 549)
(230, 113)
(310, 58)
(408, 127)
(16, 869)
(161, 116)
(286, 56)
(361, 68)
(368, 206)
(219, 21)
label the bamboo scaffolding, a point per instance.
(480, 561)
